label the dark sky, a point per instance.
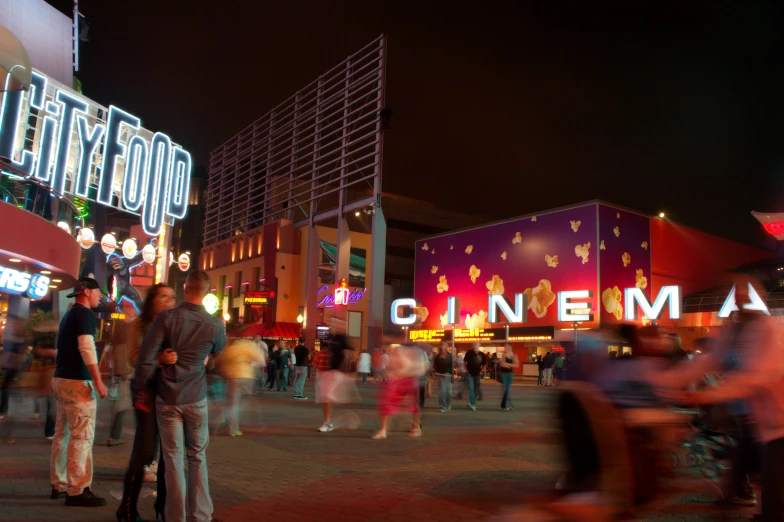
(500, 108)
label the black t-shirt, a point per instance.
(474, 362)
(337, 345)
(301, 354)
(77, 321)
(443, 364)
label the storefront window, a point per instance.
(355, 324)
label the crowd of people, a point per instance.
(618, 414)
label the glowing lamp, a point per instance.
(300, 319)
(108, 244)
(184, 262)
(86, 238)
(148, 254)
(211, 303)
(129, 248)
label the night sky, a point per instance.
(499, 108)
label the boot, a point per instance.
(131, 489)
(160, 499)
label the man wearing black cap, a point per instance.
(76, 381)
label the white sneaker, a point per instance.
(326, 427)
(149, 476)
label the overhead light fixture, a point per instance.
(14, 260)
(57, 280)
(47, 272)
(356, 213)
(661, 215)
(300, 318)
(226, 317)
(52, 286)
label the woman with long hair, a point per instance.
(145, 443)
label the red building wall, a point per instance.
(695, 260)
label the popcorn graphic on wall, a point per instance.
(618, 215)
(433, 251)
(517, 239)
(434, 269)
(641, 280)
(626, 258)
(469, 249)
(442, 285)
(473, 273)
(444, 319)
(552, 261)
(601, 245)
(617, 231)
(477, 320)
(576, 225)
(583, 251)
(451, 247)
(495, 286)
(644, 245)
(425, 247)
(611, 299)
(421, 313)
(503, 256)
(540, 298)
(533, 219)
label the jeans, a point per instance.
(506, 378)
(547, 374)
(145, 451)
(444, 391)
(773, 482)
(8, 377)
(183, 429)
(541, 376)
(71, 466)
(117, 425)
(272, 373)
(463, 385)
(238, 389)
(300, 376)
(50, 410)
(473, 388)
(364, 378)
(283, 378)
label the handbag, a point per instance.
(428, 387)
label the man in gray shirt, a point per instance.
(181, 401)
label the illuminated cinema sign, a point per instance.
(574, 307)
(150, 177)
(34, 286)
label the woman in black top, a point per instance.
(507, 362)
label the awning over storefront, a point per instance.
(278, 332)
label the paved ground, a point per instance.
(467, 466)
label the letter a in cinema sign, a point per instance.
(138, 171)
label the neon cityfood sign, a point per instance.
(575, 306)
(34, 286)
(156, 175)
(328, 299)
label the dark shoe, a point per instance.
(131, 489)
(57, 495)
(159, 514)
(85, 499)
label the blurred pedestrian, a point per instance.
(285, 363)
(302, 360)
(76, 382)
(272, 365)
(475, 364)
(122, 371)
(181, 401)
(557, 368)
(333, 386)
(442, 365)
(463, 376)
(506, 365)
(14, 358)
(237, 366)
(406, 365)
(143, 465)
(547, 369)
(540, 367)
(363, 366)
(261, 370)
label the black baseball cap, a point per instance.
(85, 283)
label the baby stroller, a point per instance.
(709, 445)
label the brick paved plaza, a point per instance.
(467, 466)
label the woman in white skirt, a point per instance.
(333, 386)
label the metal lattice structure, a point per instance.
(313, 157)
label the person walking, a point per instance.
(143, 465)
(557, 368)
(475, 363)
(302, 357)
(121, 375)
(463, 376)
(506, 365)
(332, 384)
(237, 365)
(181, 402)
(285, 364)
(363, 366)
(272, 366)
(13, 358)
(261, 370)
(540, 366)
(442, 365)
(547, 369)
(405, 366)
(76, 382)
